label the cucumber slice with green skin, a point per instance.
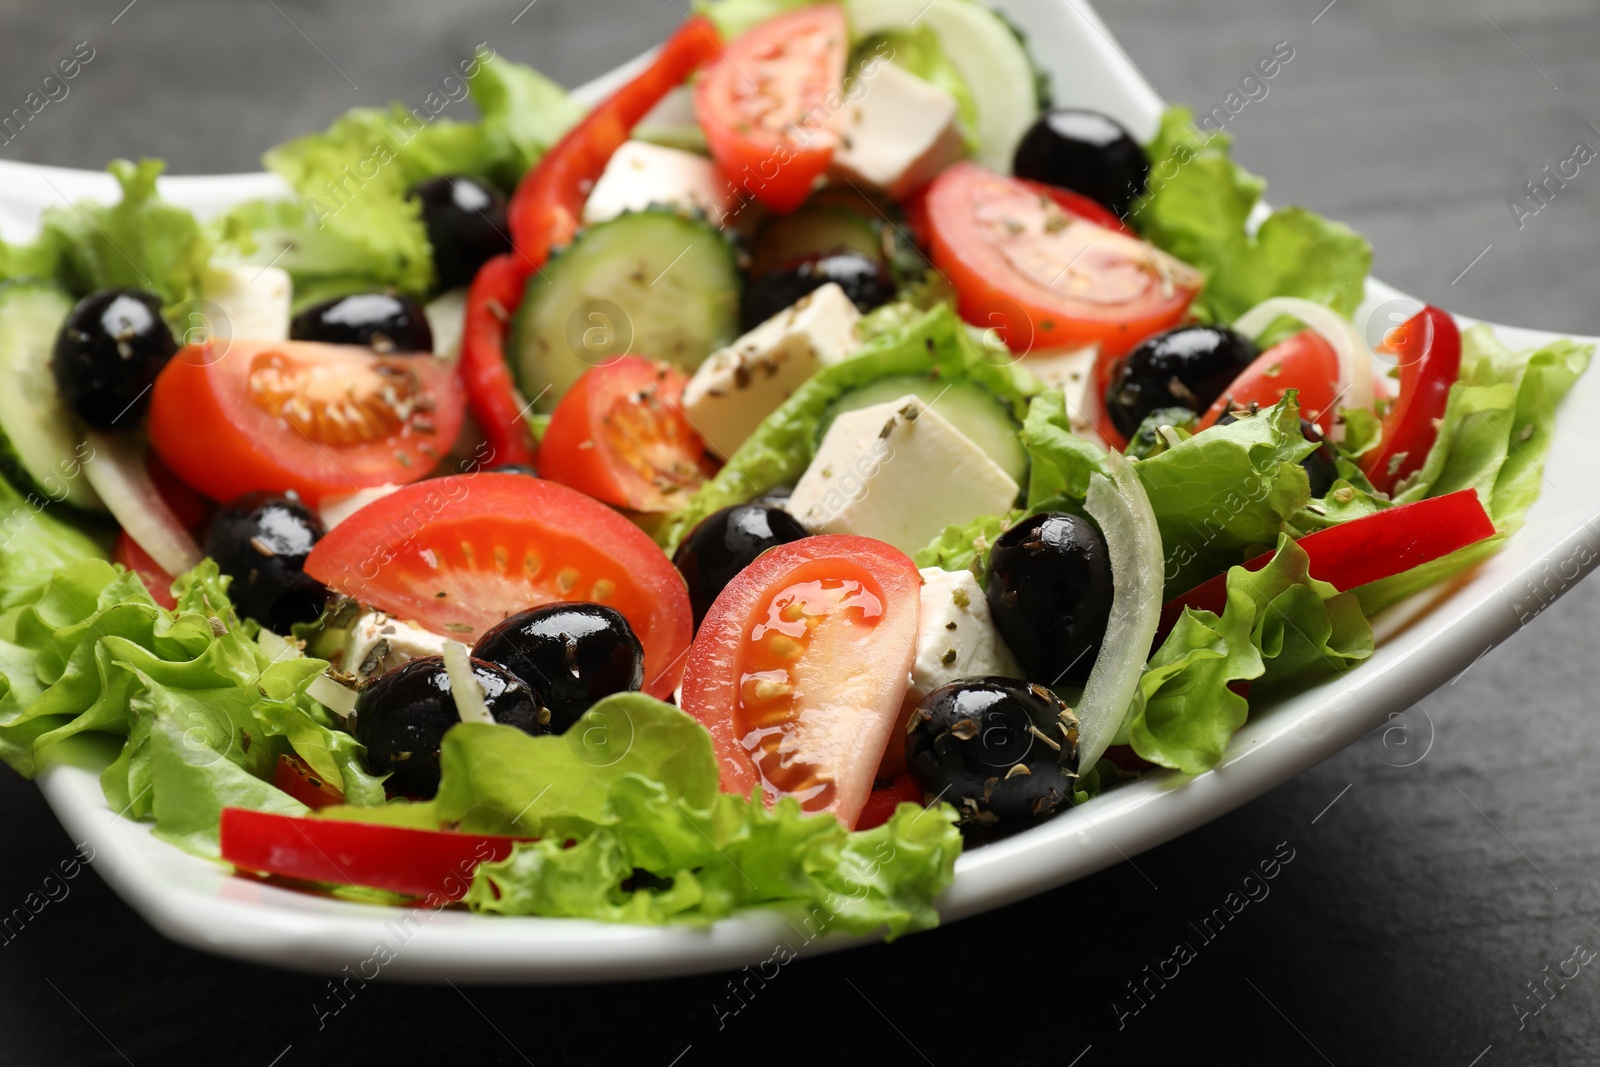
(649, 283)
(816, 229)
(41, 446)
(984, 51)
(967, 406)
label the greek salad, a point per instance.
(822, 454)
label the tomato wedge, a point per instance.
(128, 553)
(621, 436)
(765, 106)
(1306, 362)
(461, 553)
(881, 804)
(1368, 549)
(418, 863)
(1046, 277)
(294, 776)
(1429, 349)
(319, 419)
(800, 669)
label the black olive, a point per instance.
(864, 280)
(513, 468)
(108, 354)
(725, 543)
(466, 224)
(1322, 466)
(574, 654)
(1050, 592)
(261, 541)
(384, 322)
(1086, 152)
(1003, 752)
(402, 716)
(1188, 367)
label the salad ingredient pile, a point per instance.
(820, 454)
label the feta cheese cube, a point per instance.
(897, 133)
(956, 636)
(334, 510)
(900, 473)
(641, 174)
(737, 387)
(250, 303)
(379, 643)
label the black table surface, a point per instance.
(1427, 894)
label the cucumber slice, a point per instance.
(969, 407)
(651, 283)
(816, 229)
(985, 53)
(41, 448)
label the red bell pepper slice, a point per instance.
(418, 863)
(1429, 349)
(545, 211)
(882, 801)
(295, 777)
(1354, 553)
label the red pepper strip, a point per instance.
(882, 801)
(1354, 553)
(1429, 349)
(128, 553)
(416, 863)
(544, 213)
(295, 777)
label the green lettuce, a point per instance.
(963, 548)
(1197, 207)
(935, 343)
(35, 543)
(632, 827)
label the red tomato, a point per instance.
(1429, 349)
(417, 863)
(881, 804)
(1044, 277)
(295, 777)
(189, 507)
(765, 106)
(461, 553)
(128, 553)
(620, 435)
(1306, 362)
(800, 669)
(1077, 204)
(322, 420)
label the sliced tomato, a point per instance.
(461, 553)
(294, 776)
(800, 669)
(319, 419)
(1078, 205)
(1046, 277)
(766, 105)
(621, 436)
(417, 863)
(189, 507)
(1428, 346)
(1306, 362)
(128, 553)
(886, 798)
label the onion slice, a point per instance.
(1122, 509)
(464, 685)
(337, 698)
(117, 472)
(1355, 358)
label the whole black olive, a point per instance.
(108, 354)
(864, 280)
(466, 224)
(573, 654)
(261, 541)
(1050, 593)
(384, 322)
(725, 543)
(1086, 152)
(1188, 367)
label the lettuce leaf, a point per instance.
(1197, 207)
(634, 786)
(966, 548)
(35, 543)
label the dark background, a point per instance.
(1416, 909)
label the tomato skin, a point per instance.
(128, 553)
(497, 406)
(620, 432)
(1429, 348)
(884, 800)
(295, 777)
(431, 864)
(715, 671)
(803, 52)
(223, 437)
(1083, 207)
(191, 509)
(1305, 361)
(495, 544)
(1125, 296)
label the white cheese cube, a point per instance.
(900, 473)
(1072, 371)
(641, 174)
(250, 303)
(737, 387)
(447, 318)
(336, 509)
(379, 643)
(897, 132)
(956, 637)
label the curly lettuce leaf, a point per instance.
(35, 543)
(966, 548)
